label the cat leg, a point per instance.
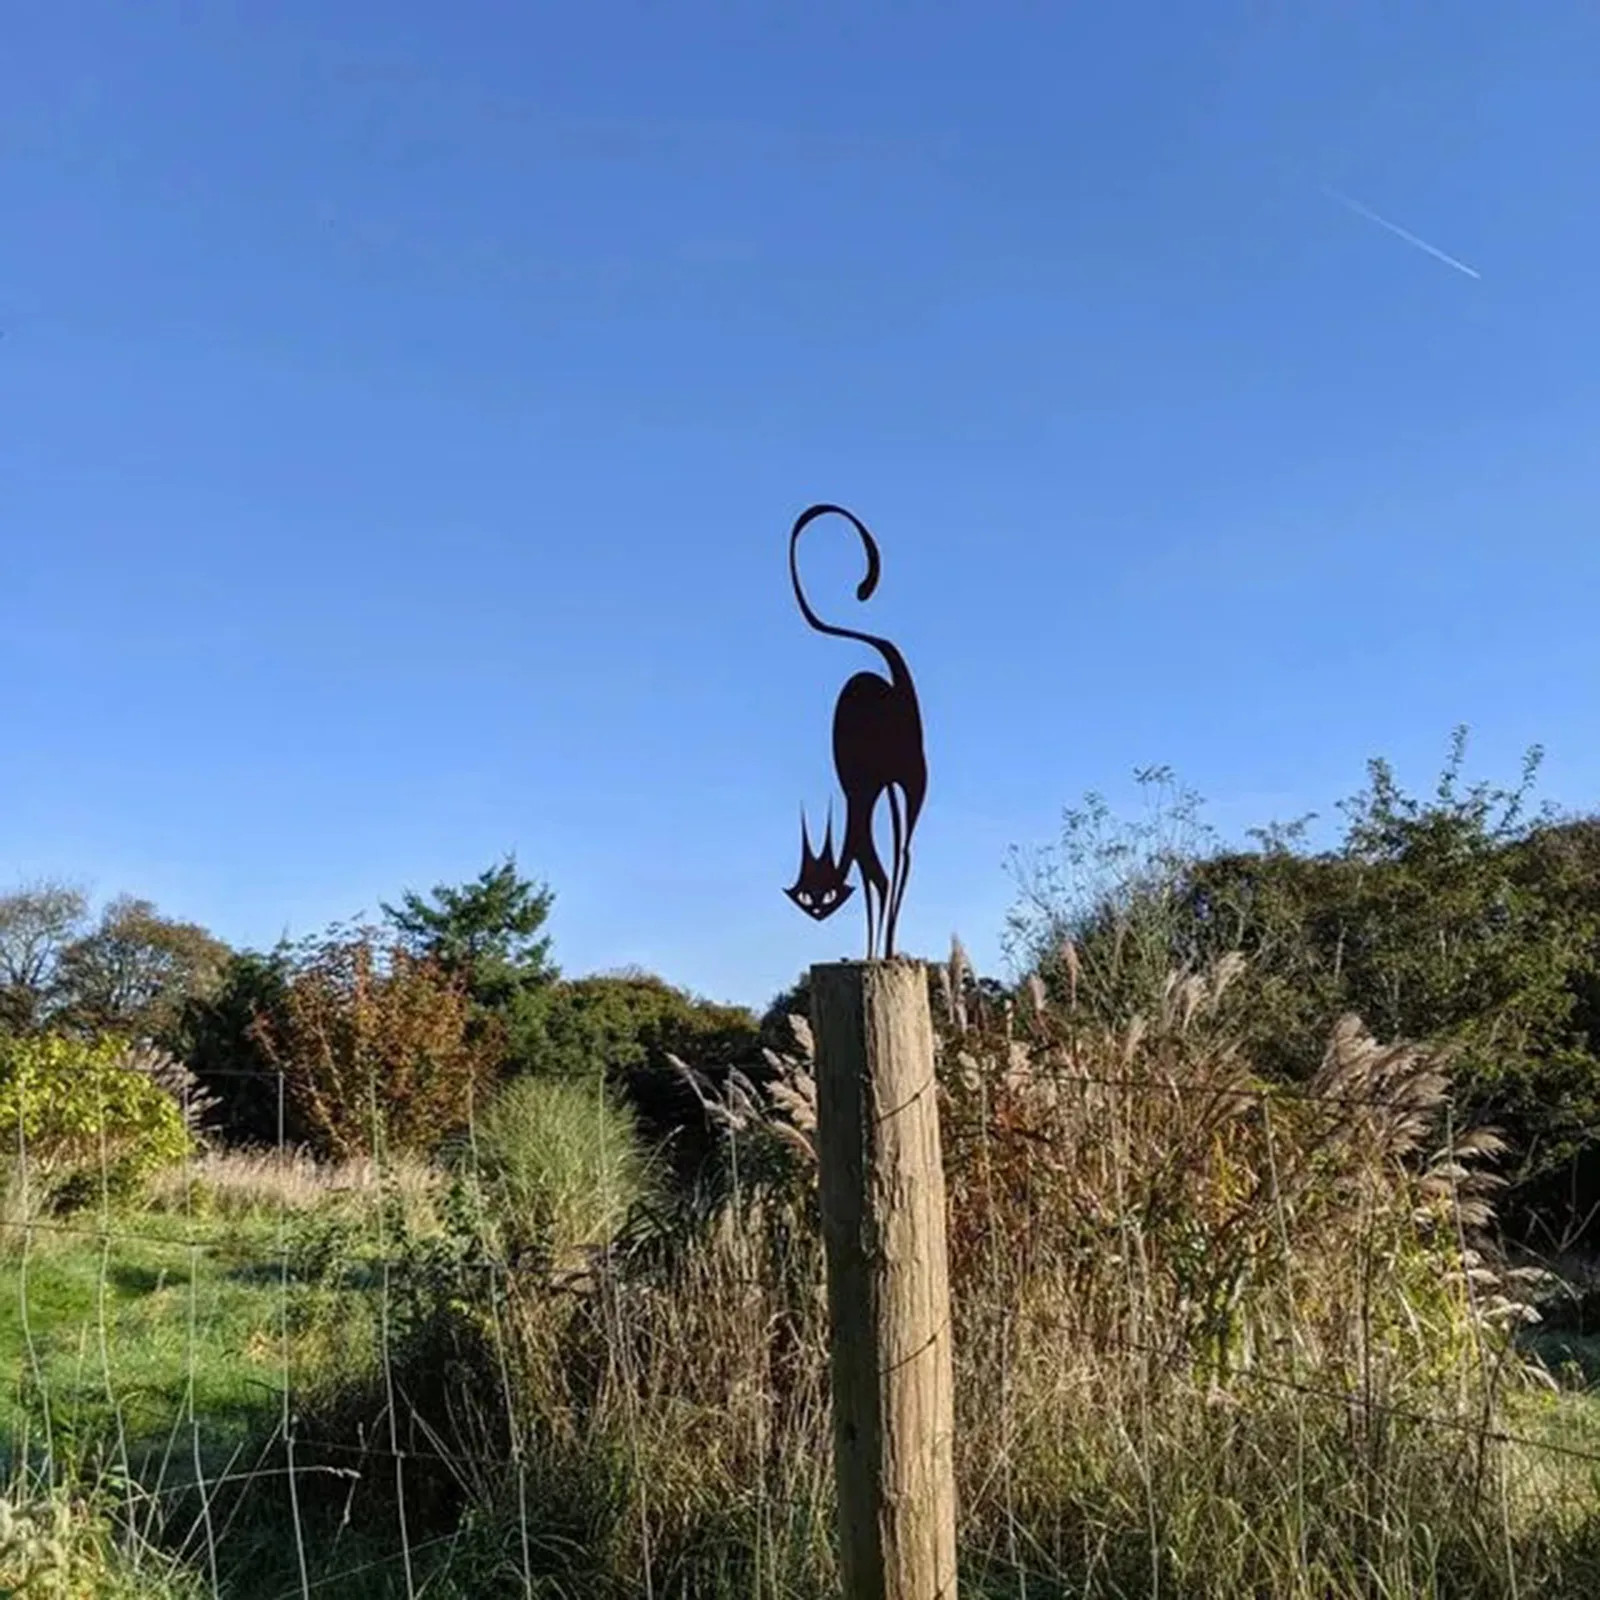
(897, 881)
(878, 900)
(911, 798)
(863, 851)
(875, 890)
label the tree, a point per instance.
(220, 1038)
(37, 922)
(136, 970)
(486, 932)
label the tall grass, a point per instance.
(1220, 1339)
(1213, 1338)
(264, 1182)
(560, 1162)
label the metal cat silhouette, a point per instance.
(878, 756)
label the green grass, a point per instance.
(157, 1351)
(133, 1334)
(153, 1353)
(1567, 1420)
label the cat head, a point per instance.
(823, 885)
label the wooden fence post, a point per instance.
(883, 1224)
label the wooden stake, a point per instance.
(883, 1223)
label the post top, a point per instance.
(874, 964)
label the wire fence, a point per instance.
(149, 1345)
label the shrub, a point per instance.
(84, 1114)
(378, 1048)
(1457, 920)
(562, 1163)
(626, 1023)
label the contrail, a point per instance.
(1395, 228)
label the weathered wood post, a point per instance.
(883, 1222)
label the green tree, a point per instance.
(37, 923)
(487, 932)
(136, 970)
(219, 1037)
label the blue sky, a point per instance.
(402, 409)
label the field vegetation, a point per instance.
(396, 1262)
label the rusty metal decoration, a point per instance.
(877, 754)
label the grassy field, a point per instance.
(1173, 1381)
(137, 1336)
(156, 1346)
(155, 1353)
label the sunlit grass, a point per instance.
(1172, 1377)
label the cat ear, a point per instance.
(807, 854)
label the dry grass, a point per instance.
(1212, 1339)
(247, 1182)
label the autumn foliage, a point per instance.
(378, 1048)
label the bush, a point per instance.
(85, 1114)
(378, 1049)
(562, 1163)
(1456, 920)
(626, 1023)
